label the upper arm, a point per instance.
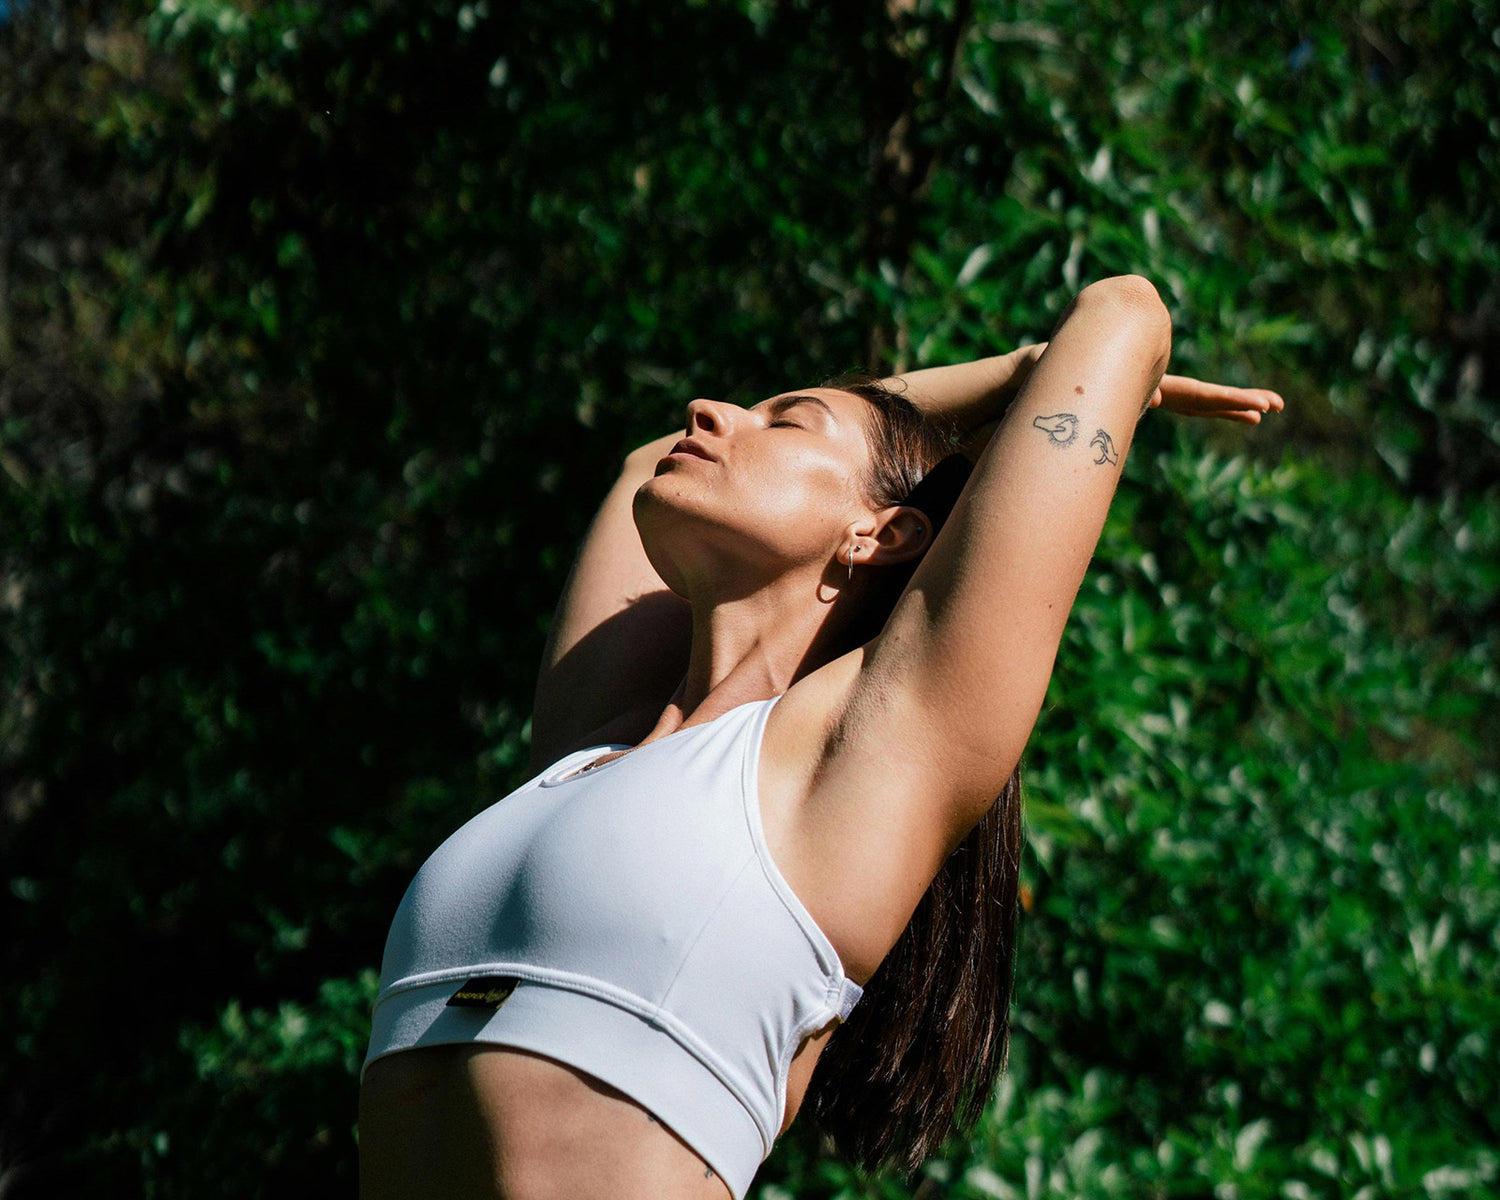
(953, 685)
(619, 639)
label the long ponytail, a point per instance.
(922, 1050)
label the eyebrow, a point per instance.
(782, 403)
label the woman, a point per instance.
(618, 981)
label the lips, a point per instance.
(688, 446)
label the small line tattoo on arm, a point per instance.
(708, 1172)
(1061, 428)
(1105, 445)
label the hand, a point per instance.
(1194, 398)
(1015, 368)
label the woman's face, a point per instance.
(760, 490)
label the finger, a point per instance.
(1221, 397)
(1180, 385)
(1181, 390)
(1244, 416)
(1266, 401)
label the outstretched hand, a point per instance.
(1195, 398)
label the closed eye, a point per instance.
(783, 405)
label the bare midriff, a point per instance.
(486, 1122)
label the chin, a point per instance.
(670, 498)
(665, 515)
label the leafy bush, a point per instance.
(321, 328)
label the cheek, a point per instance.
(807, 496)
(795, 505)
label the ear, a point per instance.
(897, 534)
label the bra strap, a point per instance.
(849, 994)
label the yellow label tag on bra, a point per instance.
(484, 991)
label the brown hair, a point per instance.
(920, 1054)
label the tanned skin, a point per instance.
(717, 575)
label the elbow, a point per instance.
(1134, 292)
(1137, 301)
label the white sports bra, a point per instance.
(627, 921)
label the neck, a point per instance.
(749, 648)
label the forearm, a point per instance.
(966, 394)
(1114, 334)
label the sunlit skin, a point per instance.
(746, 536)
(717, 574)
(757, 539)
(782, 481)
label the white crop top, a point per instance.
(628, 921)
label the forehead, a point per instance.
(843, 407)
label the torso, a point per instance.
(504, 1123)
(486, 1121)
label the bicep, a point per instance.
(619, 638)
(963, 664)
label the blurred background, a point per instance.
(324, 326)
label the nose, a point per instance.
(709, 416)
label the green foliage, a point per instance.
(322, 326)
(1259, 953)
(246, 1086)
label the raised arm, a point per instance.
(946, 697)
(619, 639)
